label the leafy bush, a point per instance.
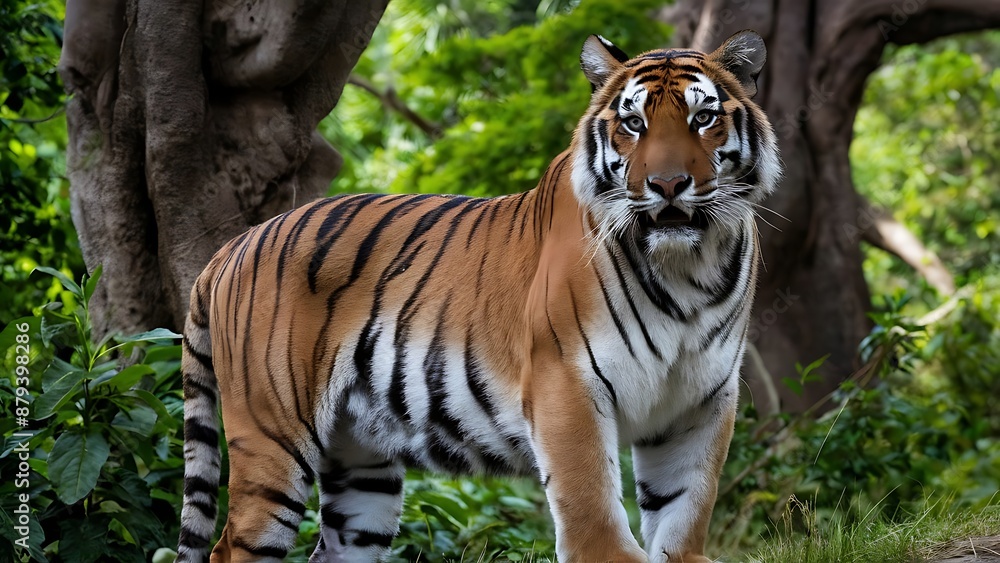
(885, 447)
(35, 226)
(105, 452)
(505, 98)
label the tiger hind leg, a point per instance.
(268, 489)
(361, 500)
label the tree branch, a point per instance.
(881, 230)
(391, 100)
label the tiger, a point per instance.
(527, 334)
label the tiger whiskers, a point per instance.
(611, 225)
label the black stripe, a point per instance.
(435, 373)
(473, 376)
(524, 219)
(206, 508)
(653, 68)
(332, 518)
(331, 482)
(514, 215)
(495, 464)
(195, 484)
(733, 156)
(446, 459)
(614, 103)
(479, 219)
(371, 240)
(365, 538)
(397, 383)
(333, 226)
(194, 389)
(194, 430)
(651, 286)
(552, 189)
(723, 95)
(652, 502)
(731, 272)
(204, 359)
(552, 329)
(631, 305)
(662, 438)
(590, 352)
(614, 314)
(190, 539)
(714, 391)
(739, 122)
(292, 239)
(649, 77)
(262, 550)
(591, 145)
(307, 471)
(279, 497)
(383, 485)
(605, 171)
(286, 523)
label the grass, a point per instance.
(934, 534)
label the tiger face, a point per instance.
(672, 147)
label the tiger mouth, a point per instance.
(672, 217)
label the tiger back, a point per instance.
(535, 333)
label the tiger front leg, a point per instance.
(574, 438)
(677, 478)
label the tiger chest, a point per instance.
(654, 383)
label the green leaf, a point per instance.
(129, 488)
(517, 502)
(58, 394)
(122, 532)
(162, 354)
(91, 285)
(56, 371)
(82, 540)
(75, 463)
(157, 405)
(807, 371)
(164, 555)
(139, 420)
(9, 335)
(150, 336)
(125, 379)
(67, 283)
(792, 384)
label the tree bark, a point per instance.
(812, 298)
(190, 122)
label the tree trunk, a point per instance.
(812, 297)
(189, 122)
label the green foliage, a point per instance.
(484, 519)
(932, 533)
(35, 226)
(875, 456)
(105, 454)
(507, 103)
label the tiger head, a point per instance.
(672, 146)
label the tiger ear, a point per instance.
(600, 59)
(743, 55)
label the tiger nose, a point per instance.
(671, 188)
